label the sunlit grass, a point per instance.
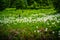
(26, 12)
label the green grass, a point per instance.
(26, 12)
(30, 30)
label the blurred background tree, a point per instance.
(30, 4)
(2, 5)
(56, 4)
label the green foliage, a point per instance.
(56, 4)
(30, 4)
(2, 5)
(19, 4)
(13, 30)
(33, 4)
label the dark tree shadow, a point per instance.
(2, 6)
(56, 4)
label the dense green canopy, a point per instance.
(30, 4)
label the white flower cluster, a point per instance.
(30, 19)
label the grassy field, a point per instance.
(28, 24)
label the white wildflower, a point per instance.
(34, 30)
(38, 31)
(46, 29)
(59, 33)
(53, 32)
